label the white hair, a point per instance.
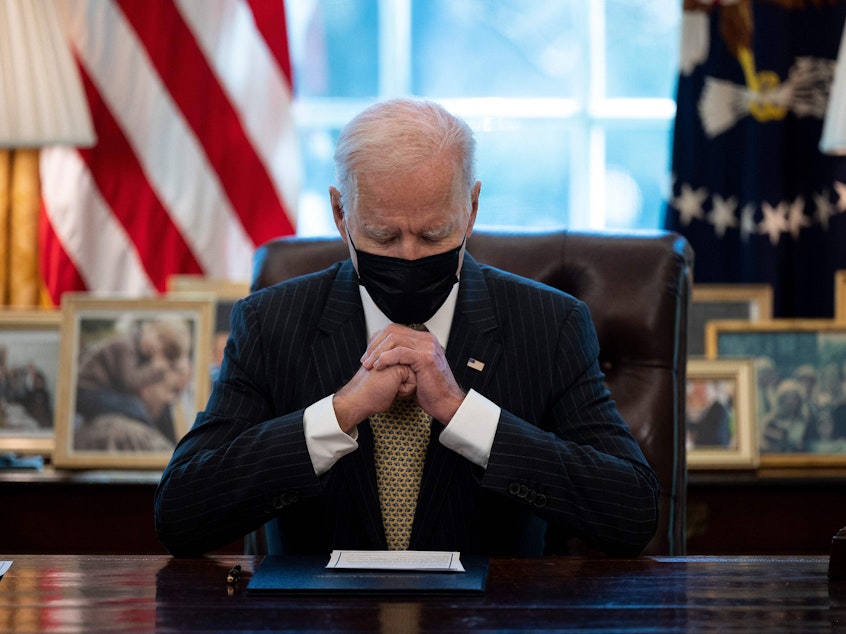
(396, 137)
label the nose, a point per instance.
(410, 248)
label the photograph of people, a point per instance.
(130, 385)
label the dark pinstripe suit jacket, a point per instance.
(563, 463)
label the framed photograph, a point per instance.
(799, 386)
(720, 414)
(133, 374)
(29, 369)
(224, 293)
(710, 302)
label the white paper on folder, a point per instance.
(434, 560)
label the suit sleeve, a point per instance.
(581, 468)
(240, 463)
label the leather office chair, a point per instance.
(637, 286)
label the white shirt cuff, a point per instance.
(471, 431)
(326, 441)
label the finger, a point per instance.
(408, 388)
(396, 357)
(418, 355)
(393, 336)
(391, 330)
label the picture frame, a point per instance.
(799, 368)
(133, 373)
(840, 295)
(711, 302)
(224, 293)
(224, 289)
(720, 414)
(30, 342)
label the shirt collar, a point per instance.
(439, 324)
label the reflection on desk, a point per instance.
(47, 593)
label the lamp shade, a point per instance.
(42, 101)
(833, 140)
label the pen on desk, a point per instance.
(234, 574)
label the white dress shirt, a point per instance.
(470, 433)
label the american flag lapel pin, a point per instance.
(475, 364)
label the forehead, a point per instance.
(431, 194)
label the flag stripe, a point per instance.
(270, 18)
(83, 223)
(183, 68)
(259, 90)
(58, 270)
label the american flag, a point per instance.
(196, 159)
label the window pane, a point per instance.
(524, 171)
(490, 48)
(334, 47)
(642, 47)
(314, 216)
(637, 163)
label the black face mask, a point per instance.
(408, 291)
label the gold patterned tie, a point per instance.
(400, 438)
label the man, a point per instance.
(524, 449)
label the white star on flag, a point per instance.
(825, 209)
(840, 188)
(774, 222)
(689, 203)
(796, 218)
(722, 216)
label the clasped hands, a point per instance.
(399, 363)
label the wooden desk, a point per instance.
(67, 593)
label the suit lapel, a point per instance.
(341, 337)
(473, 337)
(474, 346)
(336, 355)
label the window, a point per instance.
(571, 100)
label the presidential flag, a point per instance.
(196, 160)
(752, 192)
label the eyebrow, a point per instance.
(378, 233)
(437, 232)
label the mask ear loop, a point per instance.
(353, 250)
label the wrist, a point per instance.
(347, 415)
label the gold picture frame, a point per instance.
(224, 293)
(133, 374)
(30, 341)
(224, 289)
(840, 295)
(800, 399)
(711, 302)
(720, 414)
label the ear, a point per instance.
(474, 206)
(337, 211)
